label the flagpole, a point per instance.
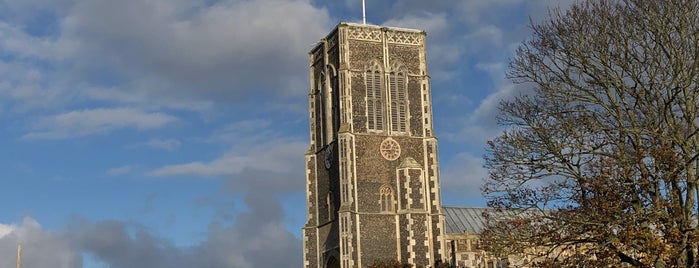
(19, 256)
(364, 11)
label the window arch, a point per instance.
(374, 97)
(398, 89)
(386, 199)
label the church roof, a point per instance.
(471, 220)
(464, 219)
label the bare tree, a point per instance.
(601, 157)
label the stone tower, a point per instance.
(372, 179)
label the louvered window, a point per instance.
(374, 100)
(399, 101)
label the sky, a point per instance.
(172, 133)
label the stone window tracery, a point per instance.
(399, 100)
(374, 98)
(386, 195)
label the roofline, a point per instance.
(334, 30)
(449, 206)
(393, 28)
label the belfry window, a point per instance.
(399, 101)
(386, 194)
(374, 99)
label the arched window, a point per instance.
(331, 206)
(386, 195)
(399, 101)
(374, 98)
(322, 105)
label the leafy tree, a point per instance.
(599, 164)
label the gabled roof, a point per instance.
(464, 219)
(459, 220)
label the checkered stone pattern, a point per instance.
(364, 206)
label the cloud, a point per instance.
(223, 49)
(140, 93)
(96, 121)
(175, 54)
(538, 10)
(167, 144)
(25, 45)
(5, 229)
(118, 171)
(273, 157)
(119, 244)
(464, 174)
(441, 46)
(39, 247)
(258, 238)
(433, 23)
(253, 131)
(258, 157)
(481, 124)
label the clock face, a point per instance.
(390, 149)
(329, 157)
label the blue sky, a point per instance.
(171, 133)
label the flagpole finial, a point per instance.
(364, 11)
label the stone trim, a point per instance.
(389, 35)
(398, 237)
(364, 34)
(404, 38)
(359, 241)
(309, 192)
(306, 262)
(411, 239)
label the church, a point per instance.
(372, 169)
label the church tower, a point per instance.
(372, 179)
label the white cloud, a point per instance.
(464, 174)
(432, 23)
(173, 54)
(223, 49)
(23, 45)
(40, 248)
(272, 157)
(167, 144)
(118, 171)
(140, 93)
(246, 132)
(6, 229)
(96, 121)
(481, 124)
